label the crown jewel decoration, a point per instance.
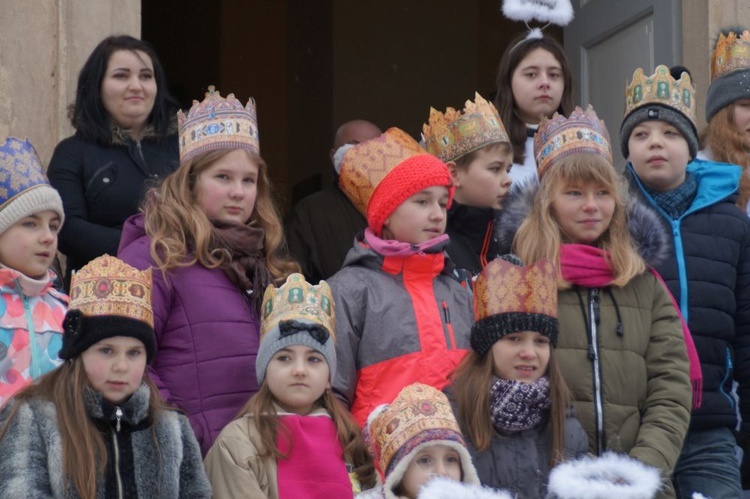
(20, 169)
(453, 134)
(732, 52)
(108, 286)
(218, 123)
(559, 136)
(298, 300)
(661, 88)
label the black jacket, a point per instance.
(470, 230)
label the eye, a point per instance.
(603, 192)
(105, 350)
(573, 192)
(511, 337)
(29, 224)
(120, 76)
(443, 204)
(135, 353)
(542, 340)
(530, 74)
(54, 228)
(424, 460)
(452, 459)
(314, 359)
(249, 180)
(555, 74)
(640, 134)
(222, 176)
(494, 169)
(283, 358)
(421, 202)
(147, 76)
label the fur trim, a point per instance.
(596, 477)
(559, 12)
(445, 488)
(338, 156)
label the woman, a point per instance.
(125, 136)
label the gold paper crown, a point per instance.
(661, 88)
(503, 288)
(366, 164)
(558, 137)
(732, 52)
(108, 286)
(298, 300)
(452, 135)
(218, 123)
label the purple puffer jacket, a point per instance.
(206, 335)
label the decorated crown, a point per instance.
(661, 88)
(299, 301)
(559, 136)
(453, 134)
(20, 169)
(732, 52)
(108, 286)
(218, 123)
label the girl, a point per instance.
(534, 80)
(210, 230)
(95, 426)
(292, 439)
(727, 136)
(511, 399)
(403, 317)
(620, 348)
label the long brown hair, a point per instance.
(263, 411)
(84, 456)
(728, 145)
(514, 54)
(470, 384)
(181, 233)
(540, 235)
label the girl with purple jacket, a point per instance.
(212, 233)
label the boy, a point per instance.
(31, 310)
(477, 150)
(707, 267)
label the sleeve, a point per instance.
(24, 458)
(741, 343)
(576, 440)
(350, 305)
(234, 467)
(193, 480)
(298, 237)
(79, 237)
(666, 412)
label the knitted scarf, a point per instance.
(678, 200)
(588, 267)
(517, 406)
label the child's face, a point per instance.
(659, 155)
(741, 118)
(431, 461)
(115, 367)
(297, 377)
(485, 181)
(583, 211)
(521, 356)
(30, 245)
(227, 189)
(537, 85)
(420, 218)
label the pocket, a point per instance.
(103, 178)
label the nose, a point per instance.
(441, 469)
(47, 236)
(134, 82)
(506, 181)
(589, 202)
(298, 368)
(237, 190)
(437, 213)
(526, 351)
(121, 364)
(656, 140)
(543, 80)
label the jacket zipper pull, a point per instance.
(446, 312)
(592, 353)
(118, 414)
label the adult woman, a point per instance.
(125, 136)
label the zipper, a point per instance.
(448, 325)
(593, 353)
(35, 369)
(140, 149)
(118, 414)
(727, 377)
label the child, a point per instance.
(402, 317)
(477, 151)
(212, 233)
(512, 402)
(292, 439)
(95, 426)
(31, 310)
(707, 268)
(621, 348)
(727, 136)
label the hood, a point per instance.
(133, 229)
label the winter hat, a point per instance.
(108, 298)
(419, 417)
(297, 313)
(730, 71)
(24, 188)
(381, 173)
(660, 97)
(509, 298)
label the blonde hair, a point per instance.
(540, 235)
(181, 233)
(729, 145)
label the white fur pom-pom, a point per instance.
(558, 12)
(611, 475)
(338, 156)
(445, 488)
(698, 495)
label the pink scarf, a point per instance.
(392, 247)
(588, 266)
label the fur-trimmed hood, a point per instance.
(646, 228)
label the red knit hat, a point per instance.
(380, 174)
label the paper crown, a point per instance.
(453, 134)
(218, 123)
(108, 286)
(559, 137)
(297, 300)
(661, 88)
(20, 169)
(732, 52)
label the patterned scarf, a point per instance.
(516, 406)
(678, 200)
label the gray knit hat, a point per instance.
(290, 333)
(730, 71)
(662, 113)
(24, 188)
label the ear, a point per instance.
(454, 173)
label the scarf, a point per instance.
(517, 406)
(392, 247)
(588, 267)
(247, 267)
(678, 200)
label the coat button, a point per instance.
(105, 180)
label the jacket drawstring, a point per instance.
(619, 329)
